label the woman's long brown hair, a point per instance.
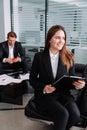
(66, 56)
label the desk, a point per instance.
(12, 93)
(10, 106)
(12, 89)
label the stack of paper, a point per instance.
(5, 79)
(24, 76)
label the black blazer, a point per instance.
(41, 72)
(4, 50)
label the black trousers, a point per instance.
(14, 66)
(62, 110)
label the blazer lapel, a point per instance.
(6, 48)
(15, 49)
(61, 69)
(47, 64)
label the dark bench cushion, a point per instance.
(83, 102)
(31, 111)
(80, 69)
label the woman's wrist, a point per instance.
(44, 91)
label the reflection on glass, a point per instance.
(72, 15)
(28, 20)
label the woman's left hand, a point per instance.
(79, 84)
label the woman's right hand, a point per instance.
(49, 89)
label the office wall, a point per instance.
(5, 19)
(80, 55)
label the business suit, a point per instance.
(18, 51)
(59, 104)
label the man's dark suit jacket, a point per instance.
(41, 72)
(18, 51)
(4, 50)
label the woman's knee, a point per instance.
(63, 114)
(73, 111)
(76, 114)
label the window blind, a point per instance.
(71, 15)
(28, 21)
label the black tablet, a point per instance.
(67, 80)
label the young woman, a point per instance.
(48, 66)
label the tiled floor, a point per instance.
(16, 120)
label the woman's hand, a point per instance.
(79, 84)
(49, 89)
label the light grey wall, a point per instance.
(80, 55)
(2, 30)
(5, 21)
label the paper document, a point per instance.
(24, 76)
(5, 79)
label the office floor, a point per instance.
(15, 119)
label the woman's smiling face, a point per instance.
(57, 41)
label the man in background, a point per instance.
(12, 54)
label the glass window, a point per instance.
(72, 15)
(28, 21)
(31, 19)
